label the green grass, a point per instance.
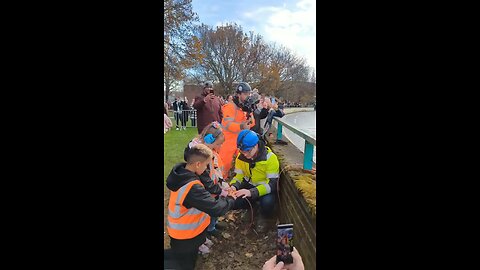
(174, 142)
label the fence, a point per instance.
(183, 116)
(309, 141)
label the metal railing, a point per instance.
(310, 141)
(183, 116)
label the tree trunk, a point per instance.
(167, 90)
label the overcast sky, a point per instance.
(290, 23)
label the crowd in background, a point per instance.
(184, 111)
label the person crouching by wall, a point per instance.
(256, 177)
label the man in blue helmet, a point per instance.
(256, 176)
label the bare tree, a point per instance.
(228, 55)
(280, 70)
(178, 25)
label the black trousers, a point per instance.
(267, 202)
(185, 252)
(177, 117)
(184, 118)
(170, 260)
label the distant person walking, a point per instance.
(208, 106)
(176, 112)
(167, 123)
(184, 116)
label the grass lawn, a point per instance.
(175, 142)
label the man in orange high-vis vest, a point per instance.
(234, 120)
(191, 205)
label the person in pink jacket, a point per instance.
(167, 123)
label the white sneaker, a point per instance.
(203, 249)
(177, 128)
(208, 243)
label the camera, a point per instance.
(249, 104)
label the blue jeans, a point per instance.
(267, 202)
(213, 222)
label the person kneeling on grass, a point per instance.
(212, 179)
(256, 177)
(191, 205)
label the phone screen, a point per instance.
(273, 100)
(284, 243)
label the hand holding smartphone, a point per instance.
(285, 243)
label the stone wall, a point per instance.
(293, 207)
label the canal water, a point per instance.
(305, 121)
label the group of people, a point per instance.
(202, 187)
(208, 107)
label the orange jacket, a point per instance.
(182, 222)
(233, 116)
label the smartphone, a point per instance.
(285, 243)
(273, 101)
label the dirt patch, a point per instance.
(240, 247)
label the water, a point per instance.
(305, 121)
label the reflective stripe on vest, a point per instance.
(186, 227)
(231, 120)
(191, 211)
(182, 222)
(267, 186)
(176, 212)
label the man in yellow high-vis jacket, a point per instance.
(257, 174)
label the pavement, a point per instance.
(290, 154)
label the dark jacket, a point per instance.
(198, 196)
(176, 105)
(268, 122)
(210, 186)
(184, 105)
(258, 115)
(207, 112)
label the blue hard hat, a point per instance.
(246, 140)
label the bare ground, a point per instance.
(240, 246)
